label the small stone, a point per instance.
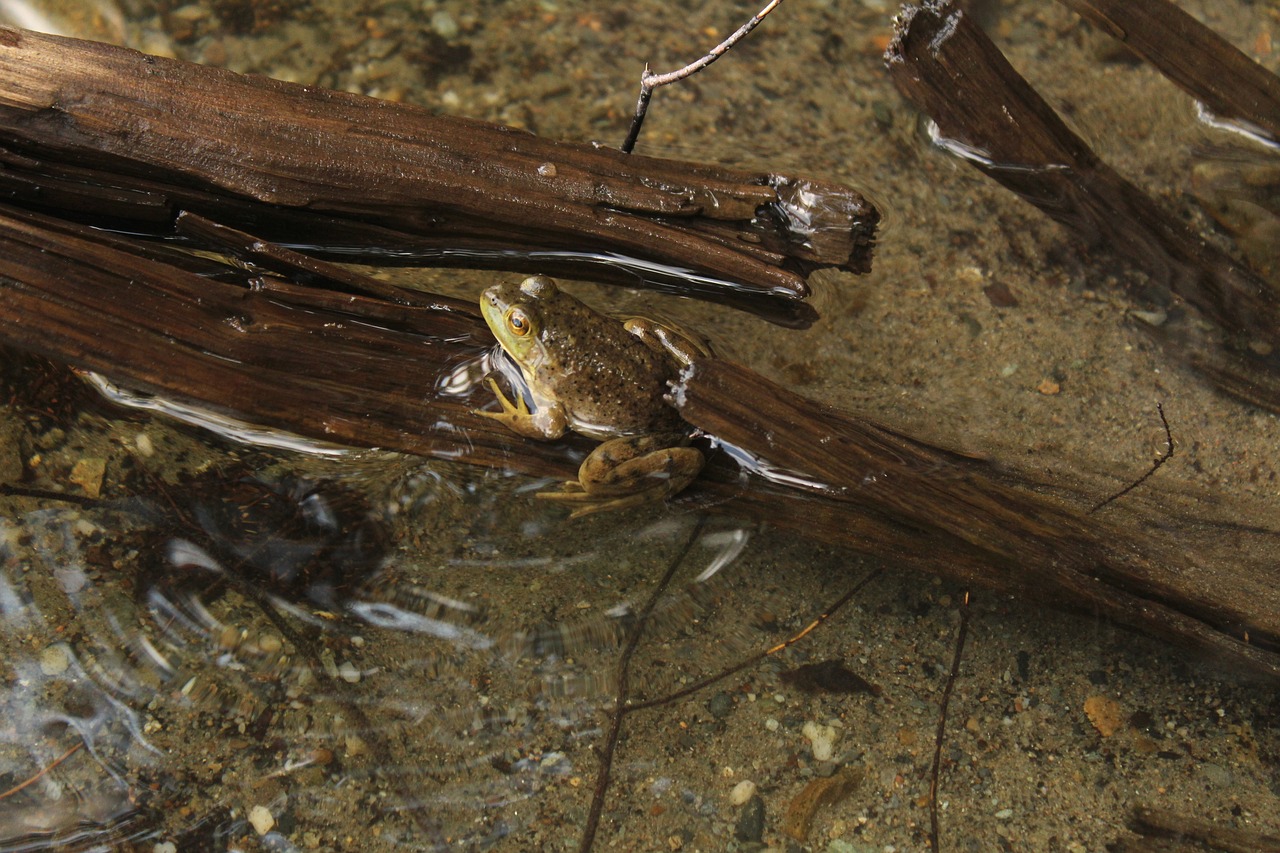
(742, 792)
(87, 473)
(720, 705)
(750, 826)
(142, 441)
(347, 672)
(822, 740)
(54, 660)
(1105, 714)
(261, 820)
(1004, 814)
(356, 746)
(1048, 387)
(444, 25)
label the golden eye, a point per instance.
(518, 323)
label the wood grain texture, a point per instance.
(988, 114)
(92, 127)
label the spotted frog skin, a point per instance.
(599, 377)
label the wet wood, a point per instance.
(1205, 65)
(97, 131)
(341, 366)
(326, 365)
(979, 524)
(985, 112)
(1197, 833)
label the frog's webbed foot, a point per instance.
(630, 472)
(511, 412)
(541, 425)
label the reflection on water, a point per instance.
(289, 641)
(209, 649)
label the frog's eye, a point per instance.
(518, 323)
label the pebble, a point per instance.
(261, 820)
(742, 792)
(720, 705)
(444, 25)
(348, 672)
(87, 473)
(142, 441)
(54, 660)
(750, 826)
(822, 740)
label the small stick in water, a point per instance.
(650, 81)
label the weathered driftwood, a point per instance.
(327, 365)
(1230, 85)
(335, 365)
(1161, 829)
(976, 523)
(946, 65)
(105, 132)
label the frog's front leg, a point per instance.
(546, 424)
(631, 471)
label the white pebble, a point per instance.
(54, 660)
(261, 820)
(822, 739)
(444, 25)
(742, 792)
(142, 441)
(348, 672)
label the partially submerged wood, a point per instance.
(358, 369)
(322, 364)
(945, 64)
(973, 522)
(1228, 83)
(98, 131)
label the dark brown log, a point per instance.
(1191, 829)
(364, 371)
(94, 129)
(946, 65)
(976, 523)
(347, 369)
(1231, 85)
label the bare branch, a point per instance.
(650, 81)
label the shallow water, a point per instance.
(243, 648)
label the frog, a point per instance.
(602, 377)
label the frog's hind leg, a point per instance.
(629, 472)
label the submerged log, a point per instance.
(327, 365)
(340, 363)
(1202, 63)
(102, 132)
(987, 113)
(977, 523)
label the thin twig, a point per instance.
(759, 656)
(650, 81)
(1155, 466)
(961, 634)
(61, 758)
(620, 701)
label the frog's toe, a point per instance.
(588, 504)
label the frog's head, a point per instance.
(515, 316)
